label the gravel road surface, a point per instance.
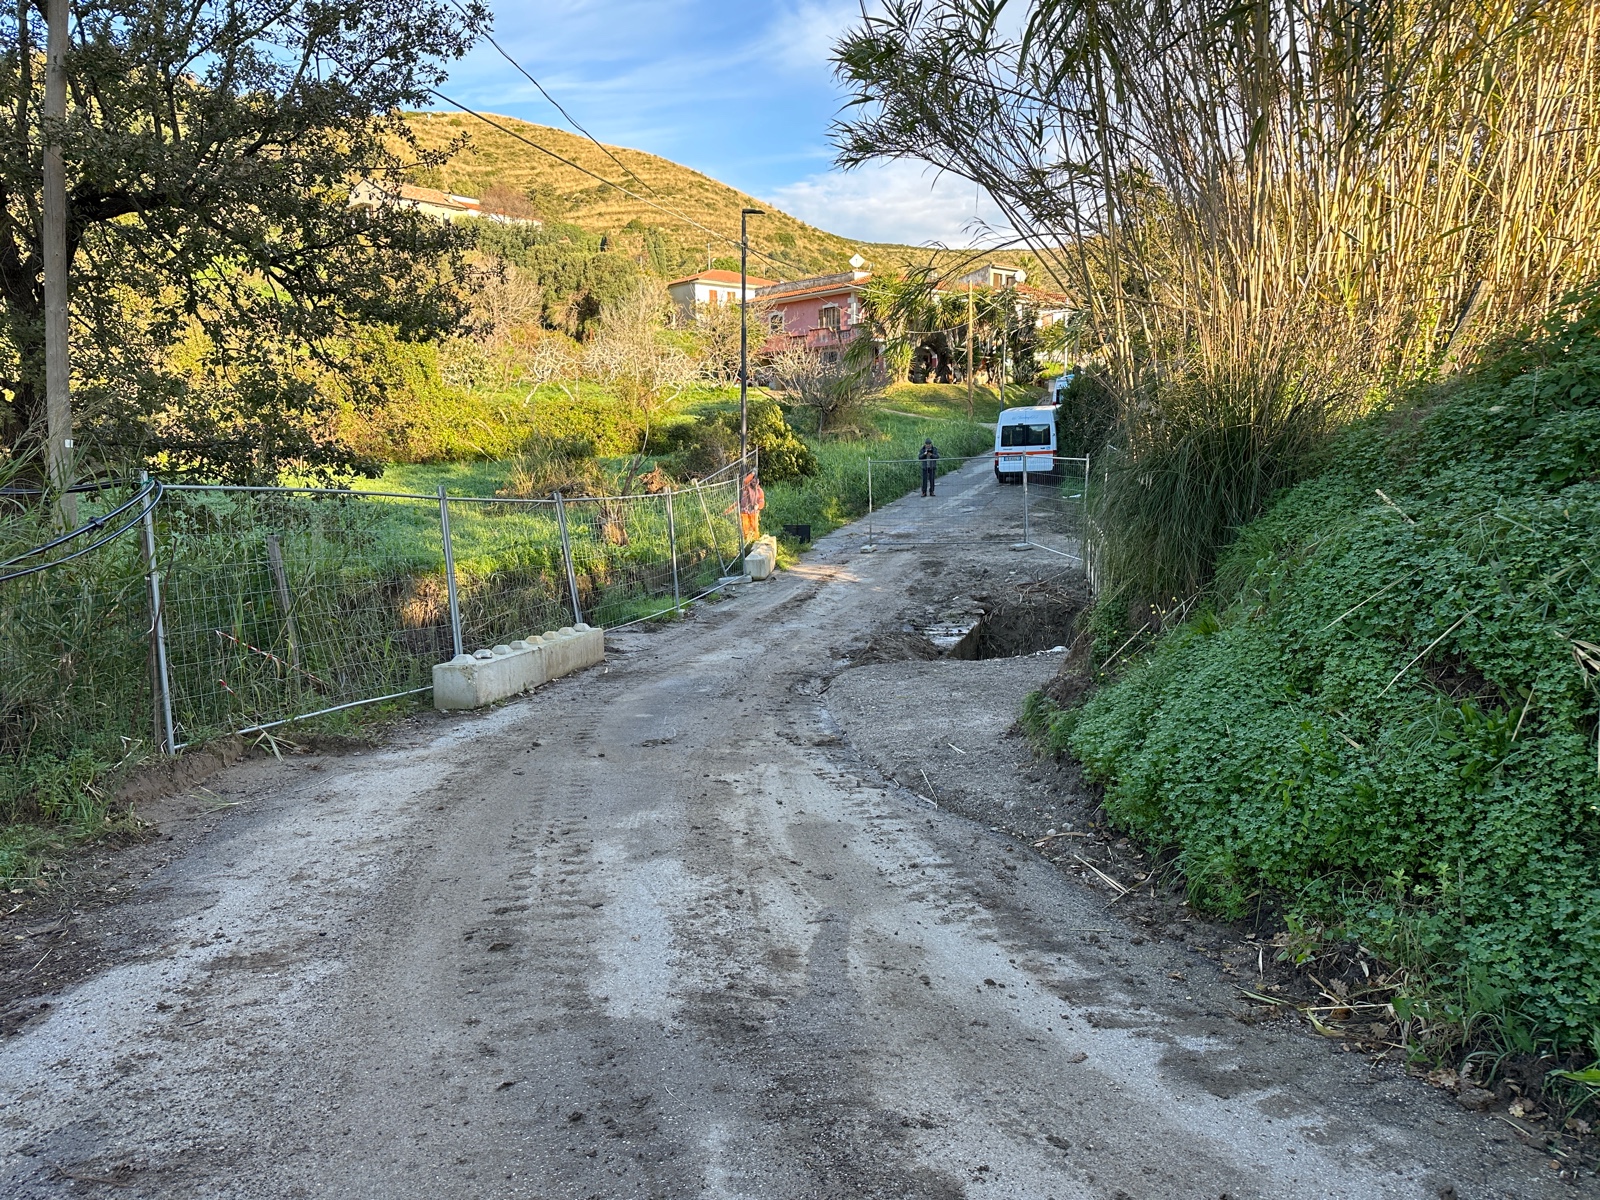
(669, 929)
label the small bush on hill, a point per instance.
(1389, 715)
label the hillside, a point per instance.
(561, 193)
(1384, 718)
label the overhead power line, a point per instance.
(571, 120)
(527, 141)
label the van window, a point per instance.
(1025, 435)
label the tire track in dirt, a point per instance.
(688, 944)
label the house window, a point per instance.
(1004, 278)
(775, 323)
(830, 356)
(828, 318)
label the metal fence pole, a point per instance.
(566, 555)
(1027, 536)
(450, 569)
(738, 504)
(672, 543)
(871, 541)
(158, 625)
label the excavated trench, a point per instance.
(1029, 618)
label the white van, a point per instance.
(1025, 439)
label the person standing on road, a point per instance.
(751, 501)
(929, 458)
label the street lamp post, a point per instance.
(744, 338)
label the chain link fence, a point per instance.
(1049, 510)
(206, 610)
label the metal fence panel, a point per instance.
(279, 604)
(282, 603)
(1055, 513)
(623, 559)
(75, 655)
(509, 570)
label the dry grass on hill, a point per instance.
(496, 158)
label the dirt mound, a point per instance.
(894, 645)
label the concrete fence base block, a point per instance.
(761, 559)
(485, 676)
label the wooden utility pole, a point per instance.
(969, 350)
(57, 364)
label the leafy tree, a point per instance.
(834, 389)
(713, 443)
(901, 311)
(578, 275)
(211, 151)
(548, 204)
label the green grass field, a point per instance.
(948, 401)
(837, 493)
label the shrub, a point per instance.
(566, 465)
(1200, 455)
(713, 442)
(1389, 713)
(835, 391)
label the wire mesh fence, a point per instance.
(1054, 508)
(234, 609)
(278, 603)
(1051, 512)
(75, 654)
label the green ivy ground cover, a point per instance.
(1388, 716)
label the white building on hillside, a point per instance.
(710, 288)
(447, 206)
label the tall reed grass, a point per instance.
(1270, 213)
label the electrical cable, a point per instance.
(571, 120)
(153, 492)
(92, 526)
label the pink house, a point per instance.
(822, 313)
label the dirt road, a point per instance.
(667, 930)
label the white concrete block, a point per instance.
(761, 560)
(484, 676)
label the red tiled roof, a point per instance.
(1045, 298)
(723, 277)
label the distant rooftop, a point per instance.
(723, 277)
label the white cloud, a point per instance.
(801, 36)
(894, 202)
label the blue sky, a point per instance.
(741, 91)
